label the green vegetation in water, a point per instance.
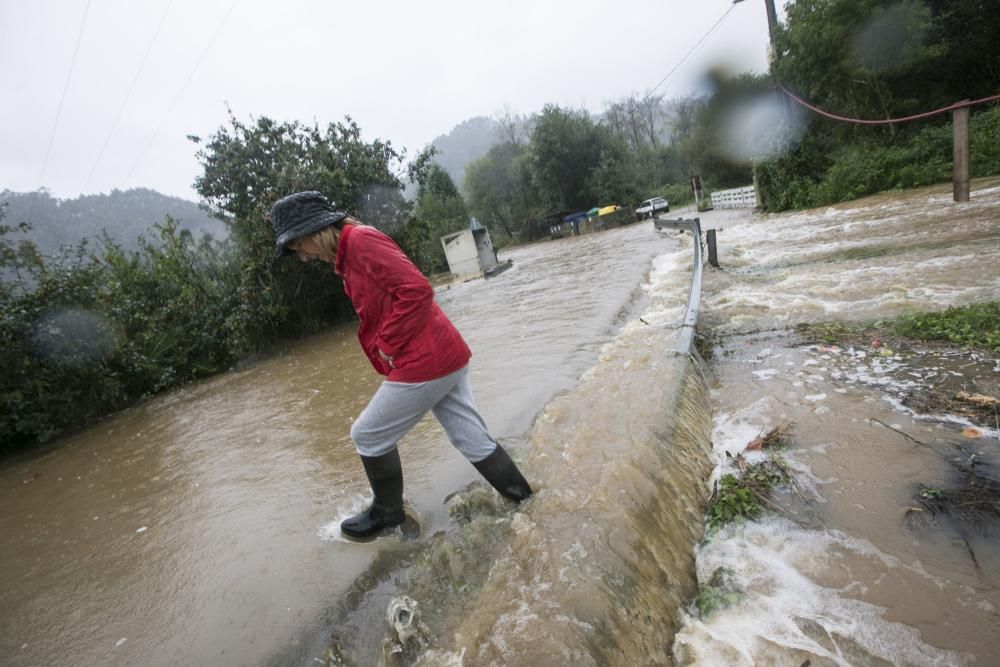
(719, 593)
(734, 499)
(743, 496)
(977, 325)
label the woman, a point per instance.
(408, 339)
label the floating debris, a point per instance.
(744, 496)
(407, 636)
(975, 501)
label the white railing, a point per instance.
(735, 198)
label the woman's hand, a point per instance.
(386, 358)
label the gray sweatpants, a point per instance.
(397, 406)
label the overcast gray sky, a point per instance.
(147, 73)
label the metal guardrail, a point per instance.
(685, 340)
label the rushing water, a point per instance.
(200, 527)
(850, 569)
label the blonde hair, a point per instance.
(327, 239)
(324, 240)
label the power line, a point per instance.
(888, 121)
(693, 48)
(62, 99)
(121, 109)
(190, 76)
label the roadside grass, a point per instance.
(975, 326)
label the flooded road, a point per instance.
(852, 566)
(201, 526)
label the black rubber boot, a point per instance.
(503, 475)
(385, 474)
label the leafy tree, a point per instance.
(88, 331)
(566, 146)
(879, 59)
(500, 189)
(439, 210)
(247, 167)
(609, 182)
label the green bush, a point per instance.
(678, 194)
(90, 332)
(806, 178)
(977, 325)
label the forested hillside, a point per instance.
(467, 141)
(124, 215)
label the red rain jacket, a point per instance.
(396, 306)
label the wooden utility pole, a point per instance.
(960, 180)
(772, 20)
(772, 25)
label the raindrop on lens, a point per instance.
(72, 337)
(761, 127)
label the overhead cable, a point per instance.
(692, 50)
(128, 94)
(180, 92)
(887, 121)
(55, 125)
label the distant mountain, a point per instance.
(467, 141)
(123, 214)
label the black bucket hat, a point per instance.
(299, 215)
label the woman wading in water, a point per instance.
(408, 339)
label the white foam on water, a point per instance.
(784, 612)
(345, 508)
(667, 286)
(438, 658)
(732, 432)
(811, 273)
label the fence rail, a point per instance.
(735, 198)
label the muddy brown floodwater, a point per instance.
(852, 568)
(201, 526)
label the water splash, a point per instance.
(787, 615)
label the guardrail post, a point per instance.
(713, 257)
(960, 184)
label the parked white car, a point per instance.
(651, 207)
